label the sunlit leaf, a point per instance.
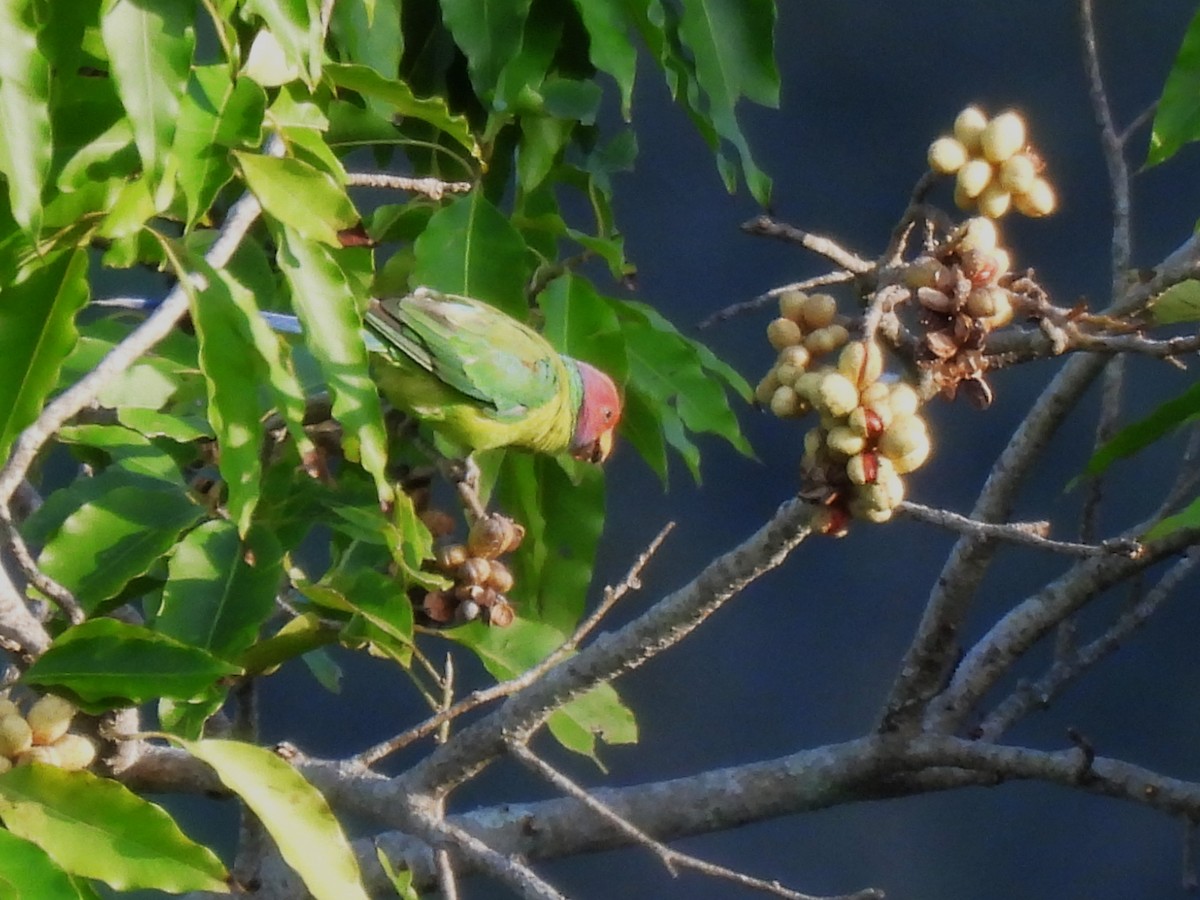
(25, 146)
(488, 33)
(1132, 438)
(296, 27)
(1177, 115)
(28, 873)
(106, 663)
(97, 828)
(300, 196)
(1178, 303)
(293, 812)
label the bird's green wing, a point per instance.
(472, 347)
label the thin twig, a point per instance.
(1029, 534)
(823, 246)
(772, 295)
(1138, 121)
(672, 860)
(434, 188)
(631, 581)
(447, 882)
(55, 592)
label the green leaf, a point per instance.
(609, 45)
(217, 114)
(375, 42)
(299, 196)
(301, 635)
(561, 505)
(489, 35)
(1177, 116)
(105, 663)
(470, 248)
(507, 652)
(219, 589)
(330, 306)
(403, 103)
(115, 537)
(97, 828)
(1132, 438)
(296, 26)
(134, 451)
(28, 873)
(1178, 303)
(149, 48)
(1188, 517)
(25, 140)
(295, 814)
(380, 600)
(111, 153)
(37, 331)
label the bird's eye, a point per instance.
(608, 414)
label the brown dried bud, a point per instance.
(500, 579)
(468, 611)
(977, 391)
(450, 557)
(935, 300)
(941, 344)
(439, 522)
(501, 613)
(491, 536)
(475, 570)
(439, 606)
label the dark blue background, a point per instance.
(806, 656)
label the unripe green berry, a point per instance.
(837, 395)
(968, 127)
(791, 304)
(1017, 173)
(922, 272)
(861, 362)
(50, 718)
(785, 403)
(973, 177)
(1003, 136)
(977, 233)
(784, 333)
(1038, 201)
(15, 736)
(844, 441)
(905, 434)
(819, 311)
(946, 155)
(903, 400)
(75, 752)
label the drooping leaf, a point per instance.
(97, 828)
(507, 652)
(1133, 437)
(295, 814)
(37, 331)
(150, 51)
(330, 302)
(609, 44)
(296, 27)
(25, 145)
(371, 39)
(300, 196)
(470, 248)
(115, 536)
(489, 35)
(1177, 116)
(28, 873)
(106, 663)
(220, 589)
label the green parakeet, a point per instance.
(485, 380)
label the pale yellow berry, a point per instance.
(819, 311)
(905, 434)
(791, 304)
(5, 764)
(8, 708)
(946, 155)
(874, 394)
(15, 735)
(876, 500)
(903, 400)
(1003, 136)
(785, 403)
(994, 201)
(862, 508)
(1002, 310)
(837, 395)
(827, 339)
(968, 127)
(982, 301)
(808, 384)
(922, 272)
(47, 756)
(863, 468)
(50, 718)
(1038, 201)
(1017, 173)
(75, 752)
(961, 200)
(915, 458)
(1002, 261)
(844, 441)
(973, 177)
(787, 373)
(861, 362)
(814, 442)
(797, 356)
(866, 421)
(977, 233)
(766, 387)
(784, 333)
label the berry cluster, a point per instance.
(42, 735)
(962, 287)
(994, 168)
(870, 432)
(481, 580)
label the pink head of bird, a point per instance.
(599, 414)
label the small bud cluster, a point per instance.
(962, 290)
(42, 735)
(870, 432)
(993, 166)
(481, 580)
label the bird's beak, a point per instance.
(603, 447)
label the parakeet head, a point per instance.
(599, 413)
